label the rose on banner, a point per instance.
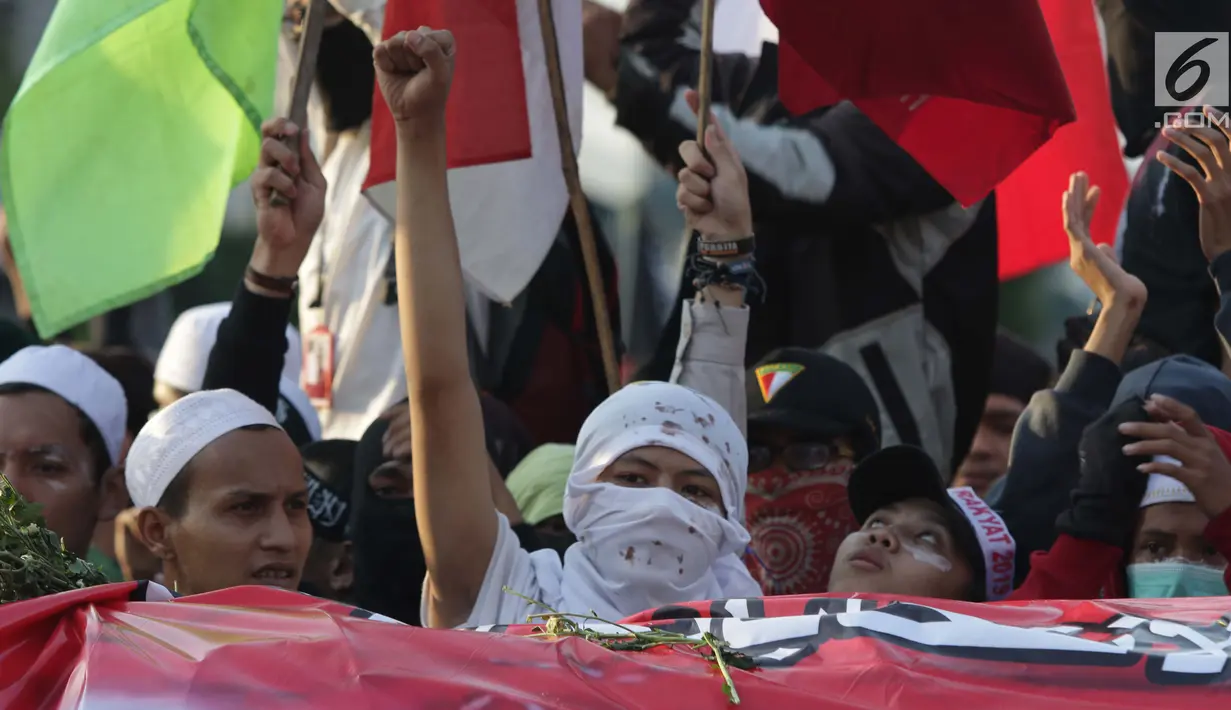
(248, 647)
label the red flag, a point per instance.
(1028, 202)
(487, 103)
(506, 181)
(969, 89)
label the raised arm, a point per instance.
(1044, 461)
(453, 498)
(713, 195)
(250, 349)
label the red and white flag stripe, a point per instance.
(506, 184)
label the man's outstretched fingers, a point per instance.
(1189, 173)
(1198, 150)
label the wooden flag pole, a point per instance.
(581, 211)
(705, 78)
(305, 73)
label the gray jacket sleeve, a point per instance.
(710, 357)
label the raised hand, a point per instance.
(713, 192)
(285, 231)
(1211, 148)
(1096, 265)
(1195, 458)
(415, 70)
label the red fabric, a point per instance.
(1028, 202)
(969, 89)
(797, 520)
(487, 117)
(264, 648)
(1071, 569)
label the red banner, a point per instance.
(251, 647)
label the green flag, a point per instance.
(131, 126)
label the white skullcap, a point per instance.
(78, 380)
(1165, 489)
(177, 433)
(185, 353)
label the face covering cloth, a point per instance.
(1174, 578)
(797, 519)
(389, 564)
(640, 548)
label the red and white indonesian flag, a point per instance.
(506, 184)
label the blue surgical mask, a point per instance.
(1172, 579)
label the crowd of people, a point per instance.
(418, 452)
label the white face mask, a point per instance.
(640, 548)
(650, 539)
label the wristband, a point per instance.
(728, 248)
(278, 284)
(741, 273)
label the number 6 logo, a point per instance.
(1185, 62)
(1191, 66)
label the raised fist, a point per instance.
(414, 70)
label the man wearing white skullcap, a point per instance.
(222, 494)
(1171, 555)
(62, 423)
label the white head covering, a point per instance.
(1165, 489)
(673, 417)
(181, 363)
(177, 433)
(78, 380)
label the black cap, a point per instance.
(328, 468)
(816, 394)
(901, 473)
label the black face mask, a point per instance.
(389, 564)
(388, 557)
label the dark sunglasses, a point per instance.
(797, 457)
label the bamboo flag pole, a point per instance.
(305, 74)
(581, 211)
(705, 79)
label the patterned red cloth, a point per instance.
(797, 520)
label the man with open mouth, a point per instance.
(222, 495)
